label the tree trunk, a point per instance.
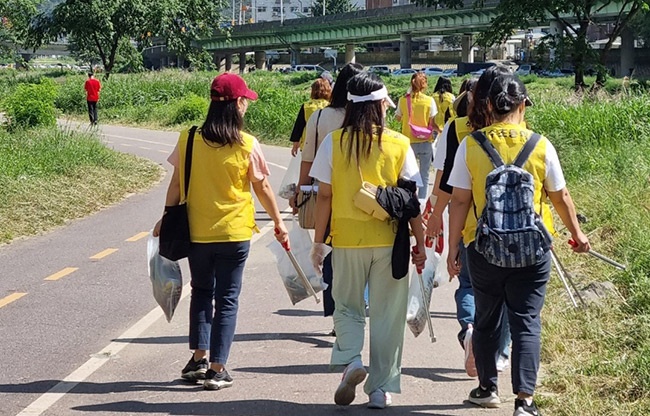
(580, 55)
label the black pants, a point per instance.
(92, 111)
(523, 291)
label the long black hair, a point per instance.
(506, 95)
(363, 120)
(223, 124)
(463, 105)
(443, 85)
(479, 114)
(339, 97)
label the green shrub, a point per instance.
(189, 109)
(32, 105)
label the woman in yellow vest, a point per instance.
(421, 113)
(225, 164)
(363, 150)
(321, 90)
(521, 289)
(444, 98)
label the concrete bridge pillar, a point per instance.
(228, 60)
(260, 59)
(295, 55)
(405, 50)
(627, 53)
(350, 57)
(467, 55)
(217, 62)
(242, 62)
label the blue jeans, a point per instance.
(522, 290)
(216, 270)
(424, 155)
(464, 296)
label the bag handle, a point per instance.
(526, 151)
(316, 137)
(188, 159)
(488, 148)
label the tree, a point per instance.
(105, 26)
(332, 7)
(452, 41)
(15, 16)
(517, 14)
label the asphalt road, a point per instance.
(80, 333)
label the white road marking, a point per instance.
(49, 398)
(138, 140)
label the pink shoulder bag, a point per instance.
(423, 133)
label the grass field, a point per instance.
(596, 361)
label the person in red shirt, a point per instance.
(92, 87)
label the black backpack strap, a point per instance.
(188, 158)
(527, 150)
(487, 147)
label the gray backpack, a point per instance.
(509, 232)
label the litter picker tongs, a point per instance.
(432, 335)
(301, 273)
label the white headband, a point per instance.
(381, 94)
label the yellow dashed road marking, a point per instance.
(13, 297)
(103, 254)
(137, 237)
(62, 273)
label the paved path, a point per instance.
(93, 342)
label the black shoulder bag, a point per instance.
(175, 225)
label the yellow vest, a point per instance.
(420, 112)
(443, 104)
(351, 227)
(507, 139)
(219, 203)
(310, 107)
(462, 129)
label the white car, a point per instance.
(524, 69)
(433, 71)
(450, 73)
(379, 69)
(404, 72)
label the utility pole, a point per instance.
(281, 12)
(324, 7)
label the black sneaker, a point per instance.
(522, 409)
(195, 370)
(217, 381)
(485, 397)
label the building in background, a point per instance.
(242, 12)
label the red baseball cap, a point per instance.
(226, 87)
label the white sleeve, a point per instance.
(441, 148)
(554, 180)
(322, 167)
(434, 108)
(460, 176)
(411, 170)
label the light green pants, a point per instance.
(353, 268)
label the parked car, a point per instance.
(404, 72)
(557, 73)
(450, 73)
(433, 71)
(379, 69)
(316, 68)
(524, 69)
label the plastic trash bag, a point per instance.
(440, 259)
(166, 279)
(289, 182)
(417, 312)
(300, 242)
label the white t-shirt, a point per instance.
(461, 178)
(323, 166)
(441, 148)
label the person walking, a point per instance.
(417, 109)
(226, 164)
(92, 87)
(512, 273)
(444, 98)
(364, 150)
(456, 129)
(321, 89)
(319, 125)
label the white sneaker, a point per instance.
(470, 363)
(353, 375)
(502, 363)
(379, 399)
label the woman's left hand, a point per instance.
(281, 233)
(419, 256)
(156, 228)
